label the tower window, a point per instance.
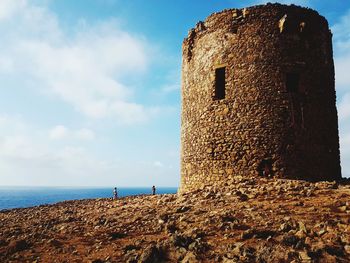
(219, 83)
(292, 82)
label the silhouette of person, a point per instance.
(153, 190)
(115, 193)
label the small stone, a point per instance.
(304, 256)
(247, 234)
(55, 242)
(19, 245)
(347, 249)
(285, 227)
(300, 234)
(302, 227)
(183, 209)
(152, 254)
(343, 208)
(189, 258)
(243, 197)
(335, 250)
(321, 232)
(290, 240)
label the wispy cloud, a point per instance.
(91, 71)
(85, 69)
(60, 132)
(341, 36)
(29, 158)
(9, 7)
(170, 88)
(158, 164)
(84, 134)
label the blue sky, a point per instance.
(90, 89)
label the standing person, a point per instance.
(115, 193)
(153, 190)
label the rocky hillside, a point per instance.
(258, 220)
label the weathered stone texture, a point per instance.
(259, 119)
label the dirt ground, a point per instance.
(258, 220)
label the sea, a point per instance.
(20, 197)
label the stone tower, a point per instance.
(258, 97)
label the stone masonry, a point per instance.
(258, 97)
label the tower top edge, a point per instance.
(253, 11)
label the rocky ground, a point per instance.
(260, 220)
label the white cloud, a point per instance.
(344, 108)
(342, 76)
(29, 158)
(341, 30)
(58, 132)
(341, 37)
(170, 88)
(130, 113)
(85, 134)
(92, 68)
(11, 125)
(83, 69)
(9, 7)
(16, 145)
(345, 152)
(158, 164)
(17, 138)
(6, 64)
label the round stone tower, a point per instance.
(258, 97)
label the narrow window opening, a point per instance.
(296, 92)
(219, 83)
(292, 82)
(302, 117)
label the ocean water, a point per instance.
(17, 197)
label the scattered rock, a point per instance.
(130, 247)
(209, 225)
(290, 240)
(189, 258)
(335, 250)
(347, 249)
(55, 242)
(183, 209)
(18, 245)
(152, 254)
(170, 227)
(117, 235)
(181, 241)
(304, 257)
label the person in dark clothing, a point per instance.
(153, 190)
(115, 193)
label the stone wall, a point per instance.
(265, 50)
